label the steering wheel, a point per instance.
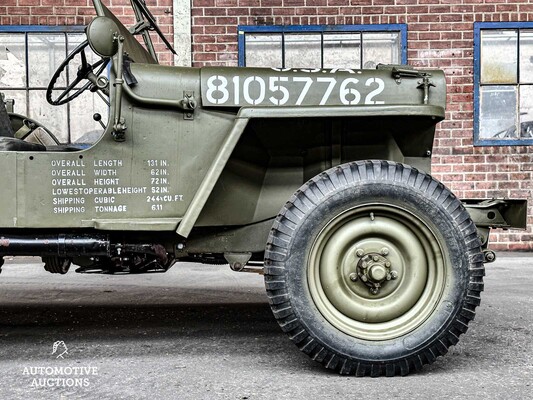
(85, 71)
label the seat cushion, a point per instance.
(40, 136)
(13, 144)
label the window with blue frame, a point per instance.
(29, 55)
(503, 83)
(322, 46)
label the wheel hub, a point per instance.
(361, 301)
(373, 269)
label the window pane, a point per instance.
(12, 60)
(382, 47)
(46, 52)
(526, 112)
(263, 50)
(54, 118)
(20, 100)
(526, 56)
(83, 128)
(75, 39)
(342, 50)
(303, 50)
(498, 117)
(499, 56)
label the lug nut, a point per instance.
(384, 251)
(375, 258)
(359, 252)
(388, 264)
(353, 276)
(394, 275)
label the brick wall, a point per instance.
(440, 35)
(81, 12)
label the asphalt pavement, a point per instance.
(205, 332)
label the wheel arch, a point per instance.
(270, 152)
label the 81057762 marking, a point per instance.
(256, 90)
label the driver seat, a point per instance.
(5, 123)
(8, 141)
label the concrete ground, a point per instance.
(204, 332)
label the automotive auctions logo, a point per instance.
(59, 345)
(65, 376)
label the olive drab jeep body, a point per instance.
(317, 178)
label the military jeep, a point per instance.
(317, 178)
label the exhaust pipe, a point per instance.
(73, 245)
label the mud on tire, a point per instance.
(374, 268)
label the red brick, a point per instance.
(64, 11)
(260, 11)
(210, 29)
(238, 11)
(226, 3)
(27, 3)
(306, 11)
(199, 21)
(204, 57)
(78, 3)
(226, 21)
(203, 3)
(328, 11)
(215, 11)
(18, 10)
(203, 39)
(293, 3)
(214, 47)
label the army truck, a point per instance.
(317, 178)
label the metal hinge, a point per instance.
(189, 104)
(424, 84)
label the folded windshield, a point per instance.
(145, 22)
